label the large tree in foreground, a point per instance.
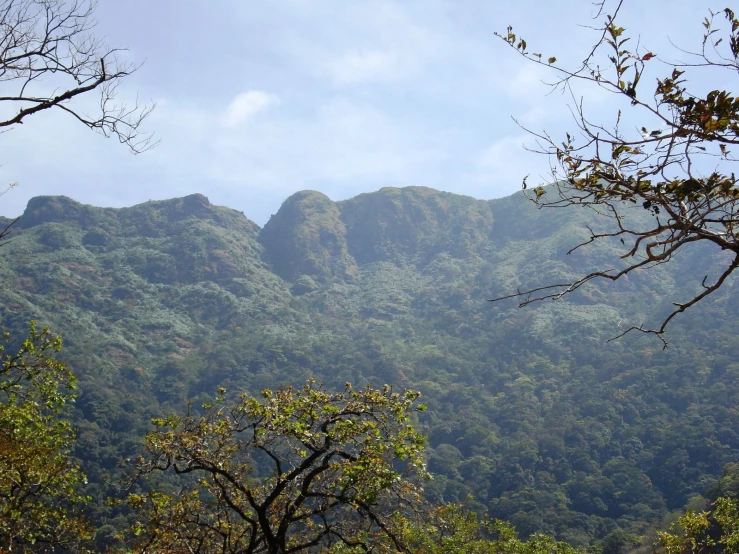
(715, 531)
(295, 470)
(669, 149)
(40, 500)
(451, 529)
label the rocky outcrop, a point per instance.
(307, 237)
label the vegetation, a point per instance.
(290, 472)
(532, 418)
(711, 524)
(669, 151)
(40, 498)
(692, 531)
(48, 60)
(452, 529)
(530, 413)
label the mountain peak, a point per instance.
(43, 209)
(308, 196)
(396, 224)
(307, 237)
(193, 205)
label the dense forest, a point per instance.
(358, 376)
(532, 415)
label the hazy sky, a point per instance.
(258, 99)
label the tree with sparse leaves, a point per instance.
(50, 60)
(295, 470)
(40, 497)
(669, 150)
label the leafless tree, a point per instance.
(49, 57)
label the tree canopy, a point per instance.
(40, 500)
(288, 472)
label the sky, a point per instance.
(258, 99)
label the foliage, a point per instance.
(529, 411)
(714, 531)
(669, 151)
(452, 529)
(40, 500)
(727, 485)
(287, 472)
(33, 374)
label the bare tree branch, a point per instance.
(49, 58)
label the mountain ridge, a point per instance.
(530, 411)
(418, 216)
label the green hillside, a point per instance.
(531, 412)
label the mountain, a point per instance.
(531, 411)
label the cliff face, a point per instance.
(310, 240)
(313, 240)
(307, 237)
(314, 237)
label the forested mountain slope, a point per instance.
(530, 411)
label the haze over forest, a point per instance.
(404, 369)
(531, 412)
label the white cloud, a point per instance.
(246, 105)
(380, 93)
(339, 142)
(498, 155)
